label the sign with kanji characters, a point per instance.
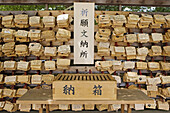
(83, 33)
(84, 90)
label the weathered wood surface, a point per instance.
(44, 96)
(57, 12)
(105, 2)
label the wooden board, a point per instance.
(125, 96)
(78, 90)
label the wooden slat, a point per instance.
(105, 2)
(70, 77)
(98, 76)
(58, 12)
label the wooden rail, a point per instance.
(100, 2)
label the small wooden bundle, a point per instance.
(160, 19)
(23, 65)
(1, 54)
(152, 88)
(1, 96)
(77, 107)
(143, 38)
(10, 65)
(34, 35)
(102, 107)
(48, 78)
(8, 35)
(48, 35)
(106, 65)
(23, 79)
(142, 53)
(145, 21)
(141, 79)
(167, 23)
(8, 49)
(153, 81)
(1, 78)
(64, 106)
(139, 107)
(130, 52)
(10, 107)
(63, 64)
(117, 51)
(141, 65)
(118, 20)
(156, 37)
(89, 106)
(10, 79)
(128, 65)
(49, 21)
(167, 36)
(2, 104)
(165, 79)
(166, 92)
(50, 51)
(36, 65)
(36, 49)
(53, 107)
(21, 91)
(163, 105)
(36, 79)
(63, 35)
(114, 107)
(35, 21)
(37, 106)
(153, 66)
(8, 21)
(118, 34)
(151, 106)
(9, 92)
(25, 107)
(103, 35)
(64, 50)
(117, 65)
(1, 66)
(117, 78)
(131, 38)
(155, 51)
(132, 21)
(21, 21)
(64, 20)
(103, 49)
(165, 66)
(21, 50)
(22, 36)
(98, 65)
(166, 51)
(49, 65)
(130, 77)
(104, 21)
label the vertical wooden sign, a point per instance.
(83, 33)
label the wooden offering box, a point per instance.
(84, 87)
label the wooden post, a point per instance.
(129, 109)
(46, 6)
(122, 108)
(120, 7)
(47, 108)
(41, 109)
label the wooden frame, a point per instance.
(44, 96)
